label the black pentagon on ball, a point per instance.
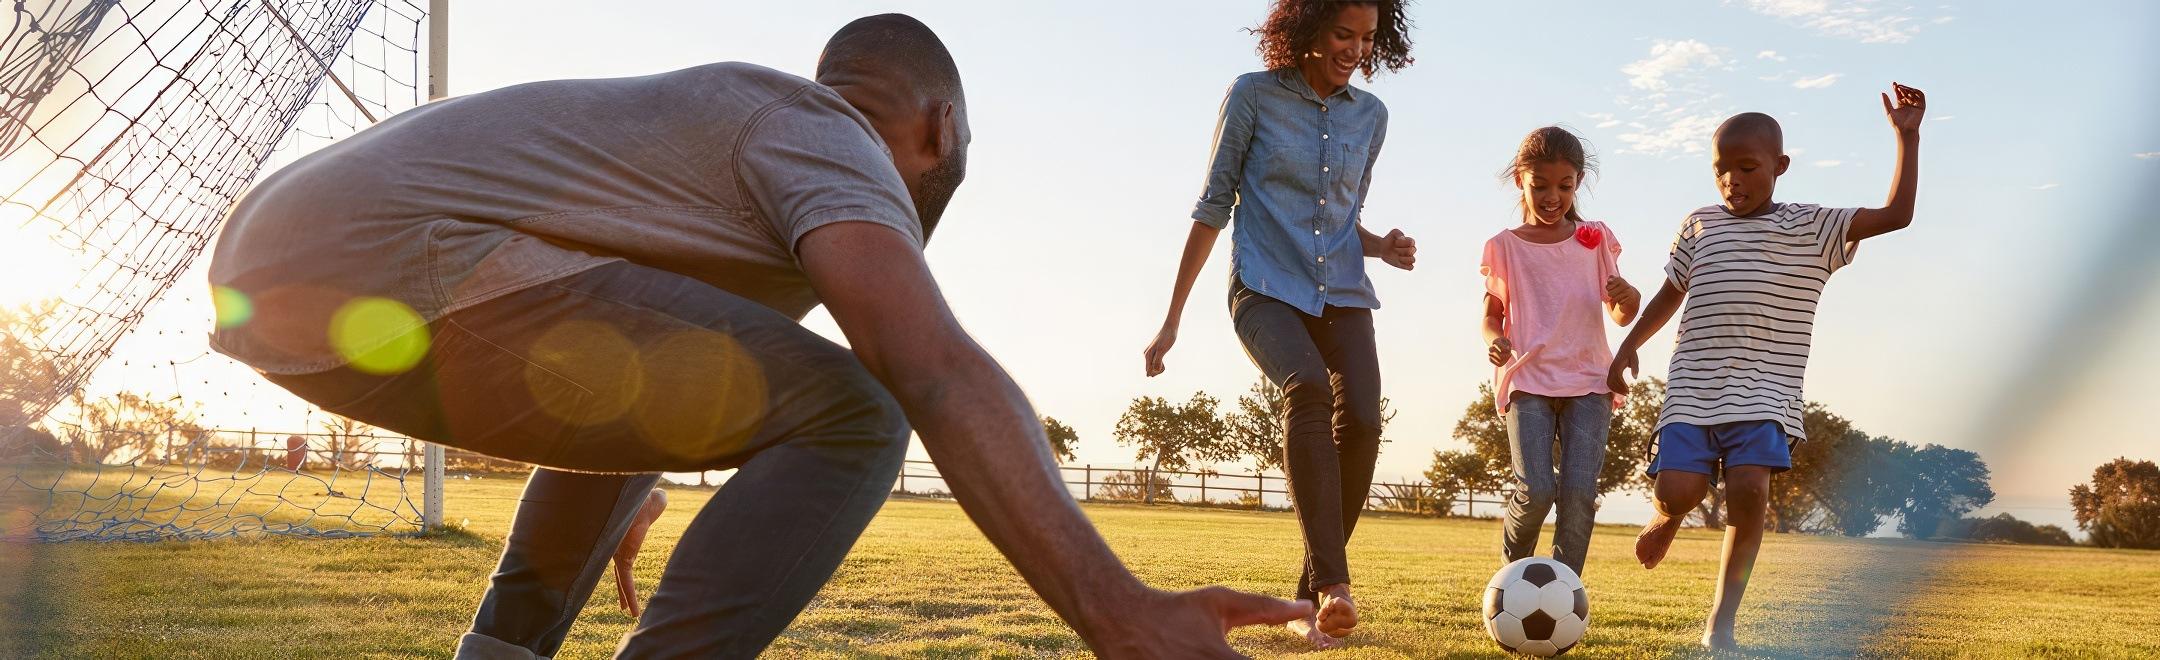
(1582, 605)
(1538, 626)
(1538, 574)
(1492, 602)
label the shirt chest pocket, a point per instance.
(1346, 171)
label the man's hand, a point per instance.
(1499, 351)
(1905, 114)
(1158, 348)
(1619, 292)
(626, 552)
(1623, 363)
(1394, 249)
(1191, 624)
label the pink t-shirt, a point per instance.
(1555, 295)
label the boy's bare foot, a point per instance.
(1338, 614)
(1655, 539)
(626, 552)
(1307, 629)
(1720, 641)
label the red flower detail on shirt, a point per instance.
(1589, 236)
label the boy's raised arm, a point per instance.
(1653, 319)
(1905, 115)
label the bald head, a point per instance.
(1752, 126)
(896, 56)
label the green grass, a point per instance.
(923, 583)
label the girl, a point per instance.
(1544, 283)
(1294, 151)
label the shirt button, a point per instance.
(1323, 136)
(1323, 202)
(1323, 287)
(1323, 108)
(1323, 168)
(1321, 258)
(1316, 232)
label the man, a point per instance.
(605, 276)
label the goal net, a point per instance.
(127, 130)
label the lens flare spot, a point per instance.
(233, 307)
(379, 335)
(704, 395)
(591, 356)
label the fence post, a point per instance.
(903, 476)
(1203, 487)
(1087, 481)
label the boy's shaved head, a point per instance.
(1752, 125)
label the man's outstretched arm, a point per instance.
(989, 444)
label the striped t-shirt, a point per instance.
(1751, 285)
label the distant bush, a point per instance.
(1127, 486)
(2003, 528)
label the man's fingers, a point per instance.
(1243, 609)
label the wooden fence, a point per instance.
(1089, 483)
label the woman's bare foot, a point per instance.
(626, 552)
(1338, 614)
(1655, 539)
(1311, 632)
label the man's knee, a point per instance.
(874, 416)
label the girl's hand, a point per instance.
(1905, 114)
(1621, 293)
(1622, 363)
(1396, 250)
(1158, 348)
(1500, 351)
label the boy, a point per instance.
(1751, 271)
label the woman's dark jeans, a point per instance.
(628, 369)
(1329, 372)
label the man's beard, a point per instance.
(938, 186)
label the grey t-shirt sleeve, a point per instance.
(811, 161)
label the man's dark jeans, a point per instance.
(1329, 372)
(627, 369)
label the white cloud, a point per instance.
(1770, 55)
(2149, 155)
(1817, 82)
(1943, 118)
(2047, 186)
(1683, 134)
(1603, 119)
(1829, 163)
(1866, 21)
(1668, 59)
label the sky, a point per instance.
(2007, 320)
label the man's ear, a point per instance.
(944, 133)
(1783, 162)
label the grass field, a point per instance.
(1419, 581)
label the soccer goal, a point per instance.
(128, 128)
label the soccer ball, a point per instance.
(1536, 606)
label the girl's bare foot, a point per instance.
(1307, 629)
(626, 552)
(1720, 641)
(1338, 614)
(1655, 539)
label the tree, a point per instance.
(131, 426)
(1455, 475)
(1174, 437)
(29, 442)
(2121, 507)
(1945, 485)
(27, 375)
(1793, 506)
(1255, 428)
(2004, 528)
(1063, 439)
(1869, 483)
(351, 442)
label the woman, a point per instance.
(1294, 151)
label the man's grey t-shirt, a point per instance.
(713, 172)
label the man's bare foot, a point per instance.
(1720, 641)
(1655, 539)
(1311, 632)
(627, 551)
(1338, 614)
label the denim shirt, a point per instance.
(1292, 169)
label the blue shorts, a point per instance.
(1701, 449)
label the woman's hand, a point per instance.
(1158, 348)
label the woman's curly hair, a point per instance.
(1291, 26)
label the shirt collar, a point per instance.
(1294, 80)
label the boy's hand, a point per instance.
(1623, 363)
(1905, 114)
(1499, 351)
(1619, 292)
